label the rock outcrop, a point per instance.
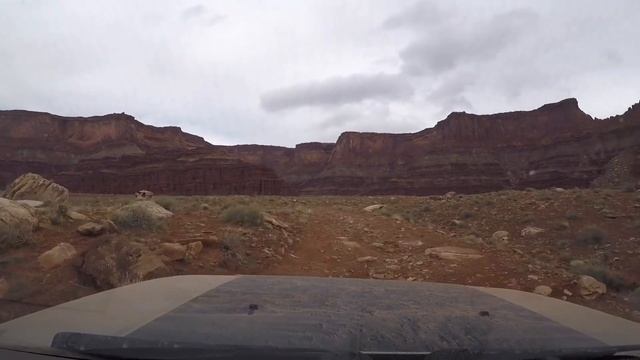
(34, 187)
(556, 145)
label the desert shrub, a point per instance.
(242, 215)
(137, 219)
(571, 215)
(12, 237)
(614, 280)
(466, 215)
(628, 187)
(561, 226)
(167, 203)
(591, 235)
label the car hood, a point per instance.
(327, 313)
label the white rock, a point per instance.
(367, 259)
(375, 207)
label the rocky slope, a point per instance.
(554, 145)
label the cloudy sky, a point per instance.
(283, 72)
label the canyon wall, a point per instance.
(554, 145)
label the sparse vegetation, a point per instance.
(137, 219)
(167, 203)
(571, 215)
(243, 215)
(612, 279)
(57, 213)
(12, 237)
(591, 235)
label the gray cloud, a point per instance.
(446, 49)
(338, 91)
(419, 15)
(194, 11)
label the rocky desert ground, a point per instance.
(579, 245)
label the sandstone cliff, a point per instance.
(554, 145)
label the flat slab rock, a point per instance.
(453, 253)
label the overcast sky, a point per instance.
(284, 72)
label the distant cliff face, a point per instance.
(554, 145)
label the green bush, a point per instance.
(243, 215)
(137, 219)
(591, 235)
(612, 279)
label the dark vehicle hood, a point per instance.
(308, 312)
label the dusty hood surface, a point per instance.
(308, 312)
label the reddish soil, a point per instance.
(327, 235)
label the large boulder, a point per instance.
(17, 222)
(34, 187)
(590, 288)
(57, 256)
(121, 262)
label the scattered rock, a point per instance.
(109, 226)
(366, 259)
(32, 203)
(590, 288)
(121, 262)
(410, 243)
(144, 195)
(91, 229)
(377, 245)
(576, 263)
(533, 277)
(57, 255)
(531, 231)
(173, 251)
(270, 219)
(34, 187)
(567, 292)
(457, 222)
(4, 287)
(372, 208)
(148, 206)
(74, 215)
(558, 189)
(193, 250)
(350, 244)
(543, 290)
(453, 253)
(500, 237)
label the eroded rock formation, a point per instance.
(554, 145)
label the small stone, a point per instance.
(542, 290)
(533, 277)
(74, 215)
(366, 259)
(500, 236)
(410, 243)
(590, 288)
(377, 245)
(567, 292)
(57, 255)
(531, 231)
(457, 222)
(91, 229)
(374, 207)
(193, 250)
(453, 253)
(350, 244)
(173, 251)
